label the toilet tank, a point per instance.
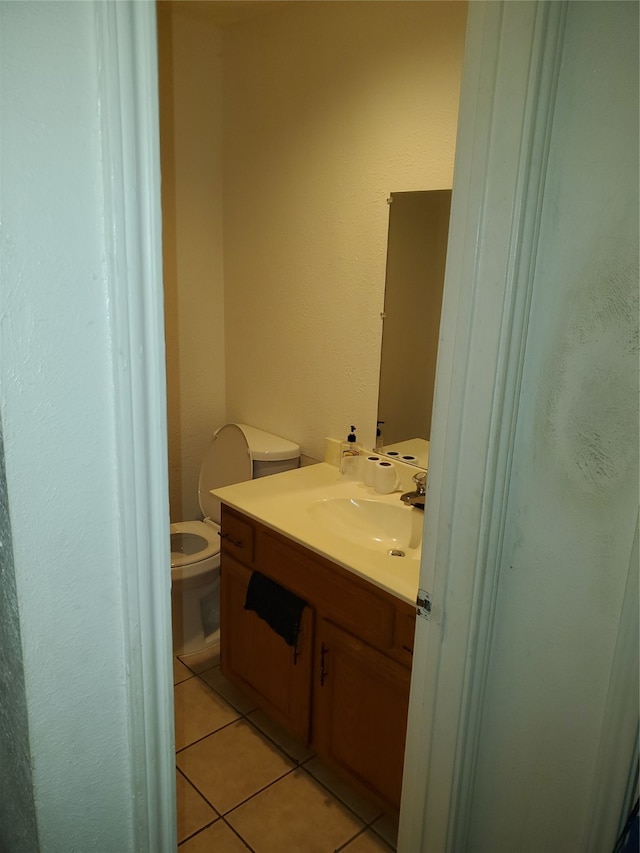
(270, 454)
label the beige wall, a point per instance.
(328, 107)
(190, 64)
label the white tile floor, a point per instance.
(242, 784)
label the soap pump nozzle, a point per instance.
(349, 456)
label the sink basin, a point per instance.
(370, 523)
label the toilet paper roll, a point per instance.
(369, 468)
(385, 479)
(409, 458)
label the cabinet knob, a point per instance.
(324, 651)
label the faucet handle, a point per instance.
(420, 479)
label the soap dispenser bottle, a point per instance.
(350, 456)
(379, 440)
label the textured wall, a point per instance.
(328, 107)
(190, 65)
(573, 499)
(58, 421)
(18, 828)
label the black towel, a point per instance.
(280, 609)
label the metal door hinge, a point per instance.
(423, 604)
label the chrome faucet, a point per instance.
(417, 498)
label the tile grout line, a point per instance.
(209, 734)
(221, 814)
(258, 792)
(219, 819)
(245, 716)
(237, 834)
(199, 792)
(218, 816)
(198, 831)
(357, 835)
(367, 824)
(298, 764)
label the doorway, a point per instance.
(304, 220)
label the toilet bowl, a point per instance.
(195, 581)
(237, 453)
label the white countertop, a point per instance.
(418, 447)
(284, 503)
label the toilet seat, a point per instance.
(199, 540)
(227, 462)
(237, 453)
(193, 543)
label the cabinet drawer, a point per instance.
(355, 605)
(405, 630)
(237, 536)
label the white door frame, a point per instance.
(508, 92)
(511, 67)
(128, 102)
(484, 323)
(512, 64)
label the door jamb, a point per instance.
(512, 58)
(126, 46)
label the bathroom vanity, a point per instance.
(344, 687)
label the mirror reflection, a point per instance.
(416, 255)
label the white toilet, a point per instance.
(238, 452)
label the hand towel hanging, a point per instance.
(279, 608)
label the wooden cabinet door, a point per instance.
(276, 676)
(361, 699)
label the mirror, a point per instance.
(416, 255)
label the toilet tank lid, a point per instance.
(267, 447)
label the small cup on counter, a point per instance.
(385, 479)
(368, 469)
(409, 458)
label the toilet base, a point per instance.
(195, 616)
(211, 644)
